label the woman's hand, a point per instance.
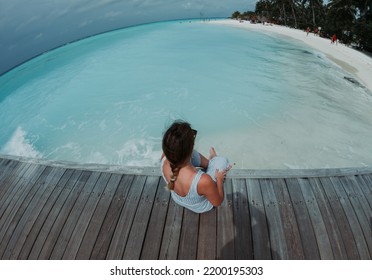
(207, 186)
(220, 175)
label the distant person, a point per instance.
(307, 31)
(191, 187)
(316, 31)
(334, 39)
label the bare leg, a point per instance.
(204, 162)
(212, 153)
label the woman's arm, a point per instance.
(212, 190)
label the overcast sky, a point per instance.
(30, 27)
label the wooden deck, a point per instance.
(51, 211)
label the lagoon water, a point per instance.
(263, 100)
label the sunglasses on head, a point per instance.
(195, 132)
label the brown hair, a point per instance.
(178, 144)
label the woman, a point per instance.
(191, 187)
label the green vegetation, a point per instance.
(350, 20)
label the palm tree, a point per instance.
(293, 5)
(341, 17)
(343, 10)
(363, 24)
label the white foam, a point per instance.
(20, 145)
(69, 151)
(138, 152)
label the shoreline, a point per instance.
(351, 60)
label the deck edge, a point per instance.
(234, 173)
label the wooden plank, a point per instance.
(334, 234)
(278, 242)
(225, 225)
(359, 186)
(242, 221)
(17, 205)
(189, 236)
(55, 239)
(308, 238)
(8, 173)
(357, 197)
(106, 233)
(10, 179)
(9, 190)
(154, 233)
(15, 182)
(5, 166)
(23, 228)
(367, 189)
(4, 162)
(341, 219)
(259, 226)
(297, 173)
(137, 234)
(76, 180)
(321, 234)
(354, 215)
(364, 191)
(207, 239)
(41, 217)
(86, 182)
(361, 208)
(172, 232)
(17, 171)
(290, 227)
(124, 225)
(64, 189)
(23, 203)
(86, 231)
(368, 179)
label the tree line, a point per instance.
(350, 20)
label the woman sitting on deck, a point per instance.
(191, 187)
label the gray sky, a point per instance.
(30, 27)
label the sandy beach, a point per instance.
(353, 61)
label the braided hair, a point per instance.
(177, 144)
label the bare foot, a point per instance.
(212, 153)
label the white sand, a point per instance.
(353, 61)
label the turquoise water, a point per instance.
(263, 100)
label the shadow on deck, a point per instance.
(56, 211)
